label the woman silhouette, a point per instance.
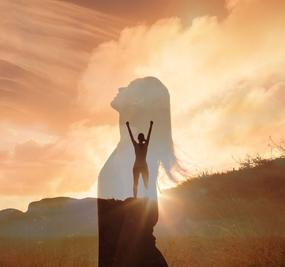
(142, 100)
(140, 165)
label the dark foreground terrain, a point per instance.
(179, 252)
(221, 220)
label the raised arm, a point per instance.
(130, 132)
(149, 132)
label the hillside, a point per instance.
(250, 198)
(248, 201)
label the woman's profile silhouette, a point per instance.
(140, 164)
(139, 102)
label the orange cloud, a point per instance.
(222, 75)
(66, 166)
(149, 11)
(44, 47)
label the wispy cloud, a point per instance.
(45, 45)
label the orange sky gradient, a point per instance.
(62, 63)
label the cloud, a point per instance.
(150, 11)
(68, 165)
(45, 45)
(4, 155)
(44, 48)
(225, 77)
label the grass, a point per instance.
(69, 252)
(179, 252)
(224, 252)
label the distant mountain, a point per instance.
(51, 218)
(9, 214)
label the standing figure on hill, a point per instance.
(140, 165)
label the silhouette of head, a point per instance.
(146, 99)
(141, 138)
(141, 96)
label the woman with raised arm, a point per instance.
(140, 165)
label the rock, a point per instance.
(126, 233)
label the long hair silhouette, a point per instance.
(143, 100)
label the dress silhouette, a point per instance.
(140, 164)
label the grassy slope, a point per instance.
(249, 201)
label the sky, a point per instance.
(62, 63)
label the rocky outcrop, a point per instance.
(126, 233)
